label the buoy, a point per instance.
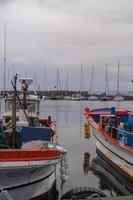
(86, 130)
(67, 172)
(86, 162)
(64, 178)
(62, 163)
(64, 168)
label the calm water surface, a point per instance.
(85, 168)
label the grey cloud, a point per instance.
(51, 33)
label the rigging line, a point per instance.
(22, 107)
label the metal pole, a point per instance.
(14, 112)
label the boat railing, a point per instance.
(122, 131)
(123, 136)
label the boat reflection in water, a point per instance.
(86, 163)
(110, 179)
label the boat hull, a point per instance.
(109, 176)
(117, 150)
(30, 182)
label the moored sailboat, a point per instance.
(106, 93)
(92, 96)
(118, 97)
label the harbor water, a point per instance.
(86, 168)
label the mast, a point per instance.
(106, 81)
(81, 79)
(45, 78)
(35, 82)
(14, 111)
(91, 83)
(118, 76)
(4, 56)
(8, 78)
(58, 84)
(24, 93)
(26, 73)
(57, 79)
(66, 83)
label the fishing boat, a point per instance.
(113, 129)
(29, 151)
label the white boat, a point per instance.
(67, 97)
(29, 172)
(92, 97)
(114, 131)
(118, 98)
(29, 151)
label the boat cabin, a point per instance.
(127, 130)
(108, 120)
(109, 124)
(31, 101)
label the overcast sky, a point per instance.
(45, 34)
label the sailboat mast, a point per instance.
(118, 76)
(91, 83)
(106, 81)
(81, 78)
(4, 56)
(57, 81)
(66, 83)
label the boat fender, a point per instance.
(62, 163)
(60, 148)
(50, 146)
(86, 131)
(64, 178)
(66, 165)
(67, 172)
(64, 168)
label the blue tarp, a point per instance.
(34, 133)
